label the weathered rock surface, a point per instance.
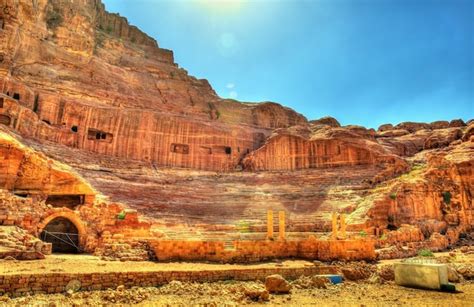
(91, 107)
(18, 244)
(60, 87)
(277, 284)
(330, 121)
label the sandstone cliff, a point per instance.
(82, 77)
(91, 106)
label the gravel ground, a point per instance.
(371, 285)
(232, 294)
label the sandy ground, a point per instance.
(92, 264)
(228, 293)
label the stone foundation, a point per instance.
(23, 284)
(254, 251)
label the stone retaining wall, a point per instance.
(254, 251)
(23, 284)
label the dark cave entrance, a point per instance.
(5, 120)
(63, 234)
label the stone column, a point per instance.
(270, 224)
(281, 220)
(334, 226)
(342, 218)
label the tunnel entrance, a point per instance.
(63, 235)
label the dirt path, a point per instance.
(57, 263)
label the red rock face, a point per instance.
(84, 87)
(86, 79)
(302, 149)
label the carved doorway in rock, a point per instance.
(63, 234)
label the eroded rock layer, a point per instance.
(99, 125)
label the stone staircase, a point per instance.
(207, 200)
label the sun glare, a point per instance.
(222, 5)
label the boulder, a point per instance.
(277, 284)
(386, 272)
(329, 121)
(457, 123)
(256, 293)
(392, 133)
(385, 127)
(442, 138)
(466, 271)
(453, 275)
(468, 133)
(361, 131)
(356, 272)
(440, 124)
(412, 126)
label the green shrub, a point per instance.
(393, 196)
(425, 253)
(383, 237)
(53, 19)
(243, 226)
(121, 215)
(362, 233)
(447, 197)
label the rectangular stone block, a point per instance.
(421, 275)
(333, 278)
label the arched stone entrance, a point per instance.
(63, 234)
(64, 230)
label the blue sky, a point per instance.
(365, 62)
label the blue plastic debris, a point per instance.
(334, 279)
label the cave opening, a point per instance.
(5, 119)
(180, 148)
(16, 96)
(392, 227)
(1, 102)
(74, 128)
(222, 150)
(22, 195)
(98, 135)
(36, 104)
(2, 24)
(62, 234)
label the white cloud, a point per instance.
(230, 85)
